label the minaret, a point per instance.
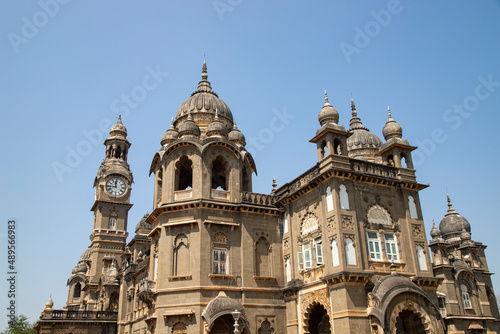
(109, 232)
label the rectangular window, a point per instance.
(306, 251)
(374, 246)
(391, 247)
(112, 223)
(318, 247)
(219, 261)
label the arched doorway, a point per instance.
(319, 321)
(224, 325)
(409, 322)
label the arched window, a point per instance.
(247, 178)
(329, 199)
(403, 161)
(262, 263)
(183, 174)
(181, 255)
(344, 199)
(422, 263)
(335, 253)
(465, 296)
(350, 252)
(155, 275)
(390, 160)
(265, 328)
(379, 215)
(179, 328)
(285, 223)
(412, 207)
(288, 270)
(219, 177)
(337, 147)
(159, 185)
(219, 254)
(77, 290)
(324, 149)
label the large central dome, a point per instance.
(202, 105)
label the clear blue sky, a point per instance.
(67, 67)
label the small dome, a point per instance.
(328, 113)
(216, 127)
(143, 224)
(453, 224)
(435, 232)
(49, 304)
(362, 142)
(221, 305)
(79, 268)
(118, 129)
(189, 127)
(236, 136)
(204, 101)
(85, 255)
(391, 128)
(170, 135)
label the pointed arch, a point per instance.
(262, 258)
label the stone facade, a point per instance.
(340, 249)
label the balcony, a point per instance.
(145, 293)
(81, 315)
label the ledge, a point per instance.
(265, 278)
(219, 276)
(179, 278)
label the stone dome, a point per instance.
(328, 113)
(453, 224)
(118, 129)
(143, 224)
(435, 232)
(391, 128)
(362, 142)
(203, 103)
(49, 304)
(170, 135)
(216, 127)
(236, 136)
(393, 283)
(85, 255)
(221, 305)
(189, 127)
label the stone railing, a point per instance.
(82, 315)
(220, 194)
(145, 291)
(183, 194)
(369, 168)
(255, 198)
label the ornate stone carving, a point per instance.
(309, 300)
(309, 225)
(347, 223)
(286, 244)
(220, 238)
(330, 222)
(418, 231)
(410, 305)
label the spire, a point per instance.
(451, 211)
(389, 113)
(326, 98)
(355, 120)
(391, 129)
(353, 108)
(204, 84)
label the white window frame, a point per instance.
(391, 247)
(112, 224)
(329, 199)
(307, 255)
(422, 261)
(219, 267)
(465, 297)
(350, 252)
(285, 223)
(318, 250)
(374, 246)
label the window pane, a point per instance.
(222, 255)
(216, 268)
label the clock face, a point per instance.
(115, 186)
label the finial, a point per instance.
(326, 98)
(189, 116)
(274, 185)
(433, 223)
(353, 108)
(172, 123)
(389, 112)
(119, 118)
(450, 207)
(204, 74)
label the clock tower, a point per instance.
(93, 285)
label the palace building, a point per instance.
(340, 249)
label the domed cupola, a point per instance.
(362, 144)
(435, 232)
(391, 128)
(236, 136)
(170, 135)
(189, 128)
(328, 113)
(453, 224)
(216, 128)
(118, 130)
(202, 104)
